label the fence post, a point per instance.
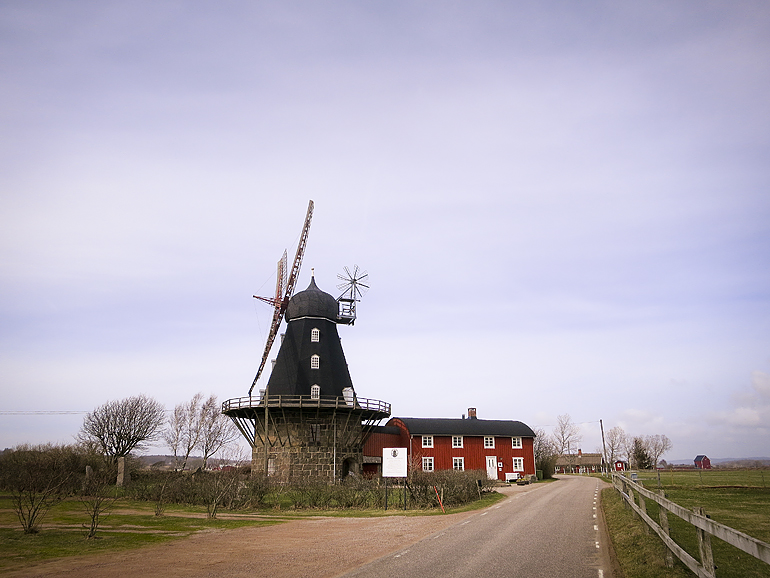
(633, 500)
(704, 546)
(624, 488)
(643, 508)
(664, 526)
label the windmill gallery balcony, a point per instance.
(246, 405)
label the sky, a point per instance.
(563, 207)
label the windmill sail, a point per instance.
(283, 294)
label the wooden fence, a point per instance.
(705, 528)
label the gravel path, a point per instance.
(311, 547)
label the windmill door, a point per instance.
(492, 467)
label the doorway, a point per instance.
(492, 467)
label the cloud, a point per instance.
(753, 406)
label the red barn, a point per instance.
(503, 448)
(702, 463)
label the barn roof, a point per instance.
(466, 427)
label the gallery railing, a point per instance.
(306, 401)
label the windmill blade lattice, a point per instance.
(354, 284)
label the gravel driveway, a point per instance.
(315, 547)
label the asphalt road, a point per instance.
(553, 530)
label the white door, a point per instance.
(492, 467)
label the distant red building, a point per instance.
(702, 463)
(503, 448)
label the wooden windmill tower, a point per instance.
(308, 421)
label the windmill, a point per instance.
(354, 286)
(284, 288)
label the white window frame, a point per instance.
(518, 464)
(315, 362)
(458, 461)
(489, 442)
(457, 441)
(427, 464)
(315, 335)
(315, 392)
(427, 441)
(516, 443)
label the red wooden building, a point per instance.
(503, 448)
(702, 462)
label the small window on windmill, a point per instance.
(315, 335)
(315, 392)
(315, 362)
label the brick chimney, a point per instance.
(580, 453)
(471, 413)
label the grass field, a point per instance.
(129, 525)
(737, 498)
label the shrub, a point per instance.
(40, 476)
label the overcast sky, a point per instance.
(563, 207)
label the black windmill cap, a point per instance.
(312, 302)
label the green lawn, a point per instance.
(129, 525)
(735, 498)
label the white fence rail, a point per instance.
(705, 527)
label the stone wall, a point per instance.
(316, 447)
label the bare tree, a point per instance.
(184, 429)
(566, 434)
(545, 453)
(615, 442)
(98, 497)
(119, 427)
(627, 449)
(217, 430)
(657, 445)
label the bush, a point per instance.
(40, 476)
(454, 487)
(237, 489)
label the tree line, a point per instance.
(639, 452)
(40, 476)
(120, 427)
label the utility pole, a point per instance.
(604, 448)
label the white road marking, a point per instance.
(484, 513)
(401, 554)
(597, 544)
(465, 522)
(596, 527)
(601, 573)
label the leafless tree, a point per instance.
(615, 441)
(119, 427)
(545, 453)
(217, 430)
(656, 446)
(566, 434)
(183, 430)
(626, 450)
(98, 497)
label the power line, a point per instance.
(34, 412)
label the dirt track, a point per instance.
(314, 547)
